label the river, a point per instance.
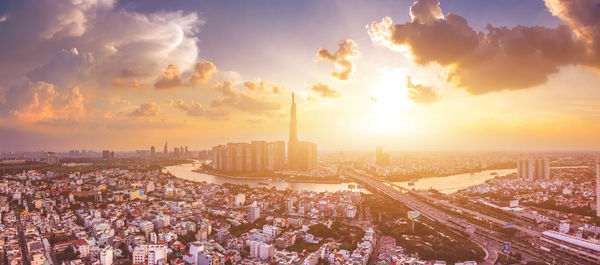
(453, 183)
(184, 171)
(447, 184)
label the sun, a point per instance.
(391, 95)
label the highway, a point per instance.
(486, 239)
(490, 247)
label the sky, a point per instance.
(426, 75)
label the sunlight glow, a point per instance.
(390, 96)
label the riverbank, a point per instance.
(300, 179)
(454, 183)
(190, 172)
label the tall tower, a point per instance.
(166, 149)
(293, 140)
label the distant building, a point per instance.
(276, 155)
(532, 169)
(152, 151)
(307, 156)
(107, 154)
(52, 158)
(381, 158)
(166, 150)
(259, 156)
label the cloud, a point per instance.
(255, 103)
(148, 109)
(197, 110)
(426, 11)
(325, 91)
(420, 93)
(124, 44)
(170, 79)
(341, 59)
(202, 72)
(4, 18)
(47, 105)
(66, 68)
(132, 83)
(500, 58)
(262, 86)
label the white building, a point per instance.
(240, 199)
(106, 256)
(266, 251)
(149, 254)
(564, 227)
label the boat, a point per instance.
(264, 184)
(493, 173)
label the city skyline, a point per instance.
(204, 73)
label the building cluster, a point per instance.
(532, 169)
(256, 156)
(259, 156)
(142, 216)
(562, 206)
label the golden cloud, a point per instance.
(325, 91)
(341, 59)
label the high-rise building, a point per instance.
(276, 155)
(166, 150)
(381, 158)
(292, 151)
(307, 156)
(218, 157)
(106, 154)
(152, 151)
(256, 156)
(531, 169)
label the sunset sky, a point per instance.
(464, 75)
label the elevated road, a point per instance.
(490, 248)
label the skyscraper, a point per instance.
(531, 169)
(381, 158)
(152, 151)
(276, 155)
(293, 140)
(166, 149)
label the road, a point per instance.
(431, 213)
(486, 240)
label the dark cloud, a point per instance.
(66, 68)
(325, 91)
(148, 109)
(420, 93)
(500, 58)
(341, 59)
